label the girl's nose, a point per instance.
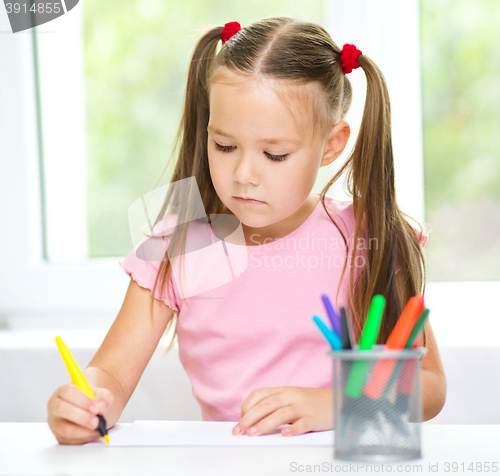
(246, 170)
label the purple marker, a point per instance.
(332, 315)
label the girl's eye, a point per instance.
(229, 148)
(277, 158)
(224, 148)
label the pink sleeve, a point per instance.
(144, 272)
(422, 237)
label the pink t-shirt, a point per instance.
(245, 313)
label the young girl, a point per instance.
(261, 116)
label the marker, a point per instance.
(346, 332)
(409, 344)
(416, 329)
(406, 383)
(332, 314)
(330, 335)
(367, 340)
(355, 405)
(405, 373)
(350, 327)
(402, 330)
(397, 340)
(79, 380)
(346, 344)
(372, 325)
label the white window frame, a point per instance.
(36, 293)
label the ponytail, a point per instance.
(377, 216)
(192, 161)
(193, 157)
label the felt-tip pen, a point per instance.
(79, 380)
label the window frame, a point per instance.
(35, 292)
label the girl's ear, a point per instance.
(337, 140)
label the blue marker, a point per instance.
(331, 336)
(332, 315)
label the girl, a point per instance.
(261, 116)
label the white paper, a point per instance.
(205, 433)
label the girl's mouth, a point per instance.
(248, 201)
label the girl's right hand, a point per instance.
(72, 415)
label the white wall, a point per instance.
(31, 369)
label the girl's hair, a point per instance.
(300, 52)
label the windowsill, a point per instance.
(462, 315)
(73, 338)
(45, 338)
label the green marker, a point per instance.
(416, 329)
(372, 324)
(356, 379)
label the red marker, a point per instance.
(397, 340)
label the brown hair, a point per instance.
(302, 53)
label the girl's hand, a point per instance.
(265, 409)
(72, 414)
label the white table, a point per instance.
(31, 449)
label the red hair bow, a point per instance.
(349, 58)
(229, 30)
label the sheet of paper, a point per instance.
(205, 433)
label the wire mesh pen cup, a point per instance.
(377, 404)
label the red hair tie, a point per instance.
(349, 58)
(229, 30)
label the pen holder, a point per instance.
(377, 404)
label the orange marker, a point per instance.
(405, 324)
(397, 340)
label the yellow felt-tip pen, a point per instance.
(79, 380)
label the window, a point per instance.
(461, 117)
(90, 103)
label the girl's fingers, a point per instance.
(102, 400)
(280, 416)
(72, 415)
(264, 407)
(256, 396)
(72, 394)
(69, 433)
(299, 427)
(308, 409)
(68, 411)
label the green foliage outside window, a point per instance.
(461, 123)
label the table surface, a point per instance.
(31, 449)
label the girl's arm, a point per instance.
(128, 347)
(433, 377)
(114, 371)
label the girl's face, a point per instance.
(260, 149)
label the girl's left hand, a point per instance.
(265, 409)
